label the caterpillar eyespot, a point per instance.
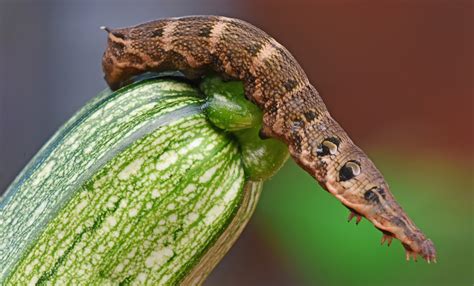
(328, 147)
(371, 196)
(349, 171)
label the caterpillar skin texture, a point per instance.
(293, 110)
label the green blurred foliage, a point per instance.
(309, 228)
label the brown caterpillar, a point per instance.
(293, 110)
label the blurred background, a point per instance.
(397, 75)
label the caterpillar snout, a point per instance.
(425, 249)
(428, 251)
(412, 239)
(378, 205)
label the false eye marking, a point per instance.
(310, 115)
(349, 170)
(381, 192)
(371, 196)
(328, 147)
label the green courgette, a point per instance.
(139, 187)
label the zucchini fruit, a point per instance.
(137, 188)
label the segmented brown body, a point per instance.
(293, 110)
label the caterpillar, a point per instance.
(293, 111)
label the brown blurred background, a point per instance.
(393, 73)
(397, 75)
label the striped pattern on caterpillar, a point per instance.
(293, 110)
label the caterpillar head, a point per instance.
(352, 177)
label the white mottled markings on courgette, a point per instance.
(130, 169)
(158, 257)
(189, 188)
(168, 158)
(218, 249)
(208, 175)
(126, 223)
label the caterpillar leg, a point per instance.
(352, 215)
